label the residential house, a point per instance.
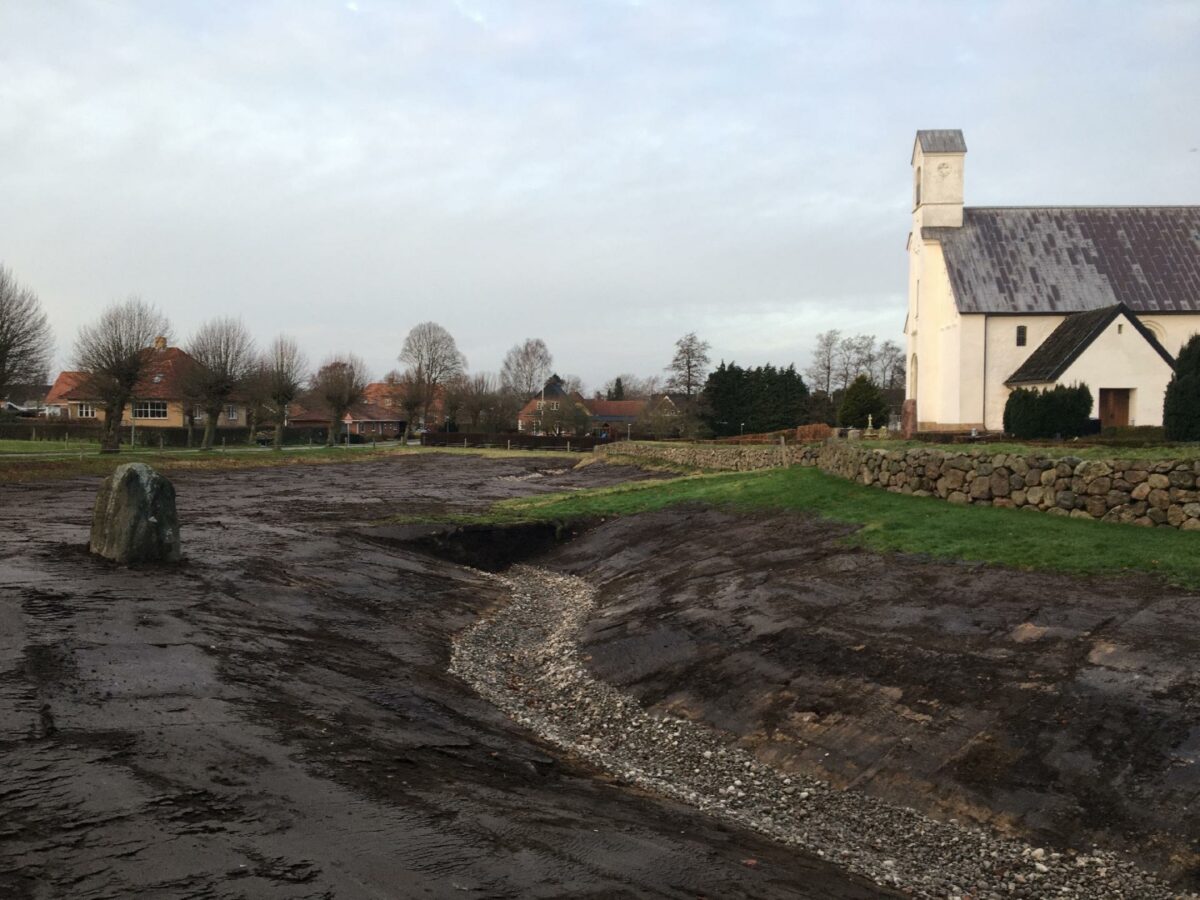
(553, 411)
(375, 420)
(1033, 296)
(390, 395)
(614, 418)
(158, 399)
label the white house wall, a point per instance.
(1121, 358)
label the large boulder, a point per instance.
(134, 519)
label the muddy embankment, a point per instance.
(1063, 710)
(275, 718)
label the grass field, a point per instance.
(897, 522)
(24, 447)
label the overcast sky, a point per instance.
(604, 175)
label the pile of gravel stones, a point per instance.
(525, 660)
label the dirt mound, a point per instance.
(1065, 710)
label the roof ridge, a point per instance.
(1097, 206)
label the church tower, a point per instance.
(937, 162)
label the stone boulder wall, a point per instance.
(731, 458)
(134, 519)
(1133, 491)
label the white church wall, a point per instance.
(1121, 358)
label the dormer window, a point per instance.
(1022, 335)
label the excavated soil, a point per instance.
(1062, 710)
(274, 718)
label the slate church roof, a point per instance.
(1068, 341)
(1072, 259)
(942, 140)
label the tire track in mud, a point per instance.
(525, 660)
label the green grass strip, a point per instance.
(924, 525)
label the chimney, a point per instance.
(937, 160)
(160, 343)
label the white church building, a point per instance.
(1032, 296)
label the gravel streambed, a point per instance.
(525, 660)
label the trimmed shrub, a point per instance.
(1059, 412)
(863, 399)
(1181, 403)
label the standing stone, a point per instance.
(134, 519)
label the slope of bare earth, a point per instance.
(275, 719)
(1063, 709)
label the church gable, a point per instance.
(1074, 336)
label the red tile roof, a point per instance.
(165, 371)
(632, 408)
(65, 387)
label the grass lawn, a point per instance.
(7, 446)
(926, 525)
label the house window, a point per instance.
(150, 409)
(541, 404)
(86, 411)
(231, 413)
(1022, 335)
(554, 405)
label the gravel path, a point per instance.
(524, 659)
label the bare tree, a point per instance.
(526, 368)
(690, 365)
(631, 387)
(478, 397)
(256, 389)
(433, 359)
(573, 384)
(408, 387)
(114, 353)
(454, 396)
(224, 355)
(889, 365)
(339, 384)
(26, 342)
(285, 366)
(853, 356)
(820, 371)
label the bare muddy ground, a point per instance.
(1060, 709)
(275, 718)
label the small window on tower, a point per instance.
(1021, 336)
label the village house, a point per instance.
(158, 399)
(367, 419)
(553, 411)
(390, 396)
(1034, 296)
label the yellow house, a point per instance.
(158, 400)
(1001, 297)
